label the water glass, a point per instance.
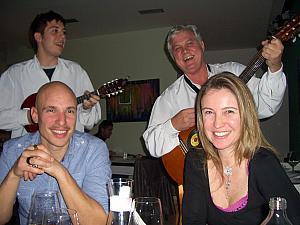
(146, 211)
(120, 198)
(42, 203)
(61, 216)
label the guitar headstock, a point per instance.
(289, 30)
(112, 88)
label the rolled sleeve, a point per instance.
(98, 175)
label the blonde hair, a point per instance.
(251, 137)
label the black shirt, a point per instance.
(266, 179)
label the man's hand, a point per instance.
(34, 156)
(93, 99)
(272, 52)
(184, 119)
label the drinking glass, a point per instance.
(146, 211)
(61, 216)
(291, 161)
(42, 203)
(120, 198)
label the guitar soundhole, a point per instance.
(193, 140)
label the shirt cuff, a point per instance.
(170, 129)
(23, 119)
(274, 74)
(84, 111)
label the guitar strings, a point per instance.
(183, 147)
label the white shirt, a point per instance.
(161, 137)
(23, 79)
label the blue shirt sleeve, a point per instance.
(98, 173)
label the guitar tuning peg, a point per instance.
(108, 95)
(295, 39)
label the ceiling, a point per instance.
(223, 24)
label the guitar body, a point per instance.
(27, 104)
(174, 160)
(108, 89)
(174, 164)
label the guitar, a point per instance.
(174, 160)
(108, 89)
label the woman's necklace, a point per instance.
(228, 174)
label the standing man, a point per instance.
(105, 130)
(55, 158)
(48, 39)
(174, 111)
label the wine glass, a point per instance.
(146, 211)
(42, 203)
(291, 161)
(61, 216)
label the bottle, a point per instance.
(277, 213)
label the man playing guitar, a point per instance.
(48, 38)
(173, 110)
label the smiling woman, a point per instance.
(225, 178)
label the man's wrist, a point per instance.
(275, 67)
(12, 175)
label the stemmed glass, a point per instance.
(42, 203)
(61, 216)
(146, 211)
(292, 162)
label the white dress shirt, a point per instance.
(23, 79)
(161, 137)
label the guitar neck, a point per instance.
(252, 67)
(108, 89)
(81, 98)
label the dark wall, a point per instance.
(292, 69)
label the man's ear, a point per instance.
(202, 45)
(37, 36)
(34, 114)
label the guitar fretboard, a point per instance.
(81, 98)
(252, 67)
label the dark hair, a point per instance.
(39, 23)
(105, 124)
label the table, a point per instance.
(121, 167)
(295, 177)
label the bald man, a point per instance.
(55, 158)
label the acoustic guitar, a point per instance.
(174, 160)
(108, 89)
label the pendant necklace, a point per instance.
(228, 173)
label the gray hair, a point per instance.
(177, 29)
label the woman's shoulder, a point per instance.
(264, 153)
(264, 158)
(195, 153)
(195, 158)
